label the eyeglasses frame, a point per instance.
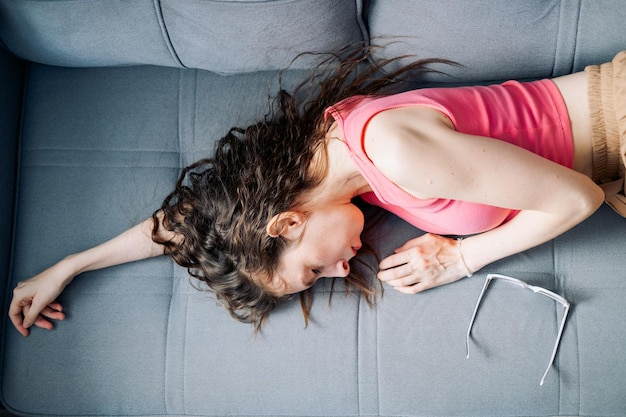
(538, 290)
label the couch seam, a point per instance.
(557, 285)
(577, 336)
(555, 61)
(376, 323)
(173, 283)
(184, 374)
(167, 40)
(575, 46)
(178, 122)
(578, 363)
(194, 127)
(35, 160)
(183, 399)
(167, 337)
(360, 6)
(358, 356)
(558, 63)
(573, 322)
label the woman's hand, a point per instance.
(422, 263)
(34, 301)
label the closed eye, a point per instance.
(313, 280)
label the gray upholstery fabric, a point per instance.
(106, 164)
(524, 39)
(11, 74)
(248, 35)
(222, 36)
(145, 342)
(101, 147)
(86, 33)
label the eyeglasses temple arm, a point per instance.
(469, 330)
(556, 344)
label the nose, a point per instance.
(342, 269)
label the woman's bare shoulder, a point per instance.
(401, 123)
(399, 138)
(390, 131)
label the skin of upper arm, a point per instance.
(418, 149)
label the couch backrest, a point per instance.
(500, 40)
(231, 36)
(492, 40)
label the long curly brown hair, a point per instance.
(221, 206)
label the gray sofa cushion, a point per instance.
(524, 39)
(101, 147)
(113, 32)
(236, 36)
(230, 36)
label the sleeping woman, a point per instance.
(510, 166)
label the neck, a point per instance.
(343, 180)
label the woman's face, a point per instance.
(326, 239)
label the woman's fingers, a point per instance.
(16, 317)
(53, 311)
(26, 311)
(41, 317)
(422, 263)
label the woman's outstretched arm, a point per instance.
(34, 301)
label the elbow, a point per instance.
(600, 197)
(590, 200)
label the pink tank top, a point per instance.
(530, 115)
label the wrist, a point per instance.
(468, 271)
(68, 268)
(478, 253)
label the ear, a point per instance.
(287, 224)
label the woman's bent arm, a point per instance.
(551, 198)
(34, 300)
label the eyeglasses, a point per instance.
(537, 290)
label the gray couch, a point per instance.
(101, 104)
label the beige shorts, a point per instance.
(607, 106)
